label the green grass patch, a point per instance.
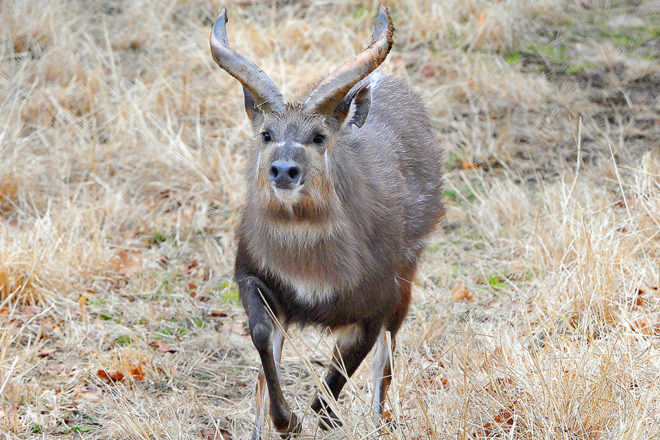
(496, 281)
(122, 340)
(172, 331)
(201, 376)
(360, 13)
(80, 429)
(228, 292)
(450, 194)
(630, 38)
(158, 238)
(513, 58)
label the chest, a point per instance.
(313, 265)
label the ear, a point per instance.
(253, 111)
(355, 107)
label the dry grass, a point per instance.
(537, 309)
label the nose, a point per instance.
(285, 174)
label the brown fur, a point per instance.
(345, 252)
(343, 187)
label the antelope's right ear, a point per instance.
(354, 108)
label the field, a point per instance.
(536, 309)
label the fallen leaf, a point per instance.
(460, 293)
(46, 352)
(137, 372)
(163, 347)
(127, 263)
(429, 69)
(481, 19)
(110, 376)
(222, 313)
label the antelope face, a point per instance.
(293, 156)
(292, 163)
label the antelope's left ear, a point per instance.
(354, 108)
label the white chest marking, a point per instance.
(311, 293)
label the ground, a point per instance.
(536, 309)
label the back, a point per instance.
(398, 142)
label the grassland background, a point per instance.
(536, 309)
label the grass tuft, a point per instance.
(536, 310)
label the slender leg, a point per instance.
(350, 351)
(262, 392)
(380, 374)
(262, 330)
(381, 367)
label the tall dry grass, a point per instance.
(536, 310)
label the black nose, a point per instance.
(284, 174)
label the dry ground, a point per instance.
(536, 310)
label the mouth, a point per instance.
(288, 194)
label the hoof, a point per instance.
(385, 424)
(328, 419)
(293, 429)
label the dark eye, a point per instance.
(266, 136)
(318, 139)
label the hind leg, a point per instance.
(381, 375)
(381, 366)
(351, 349)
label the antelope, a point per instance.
(343, 188)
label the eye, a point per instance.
(266, 136)
(318, 139)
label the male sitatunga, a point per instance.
(343, 186)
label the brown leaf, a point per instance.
(137, 372)
(481, 19)
(222, 313)
(127, 263)
(163, 347)
(429, 69)
(46, 352)
(110, 376)
(460, 293)
(468, 165)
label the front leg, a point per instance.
(262, 404)
(353, 345)
(263, 333)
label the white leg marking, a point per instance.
(262, 406)
(263, 403)
(278, 342)
(380, 361)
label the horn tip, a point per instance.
(383, 24)
(219, 31)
